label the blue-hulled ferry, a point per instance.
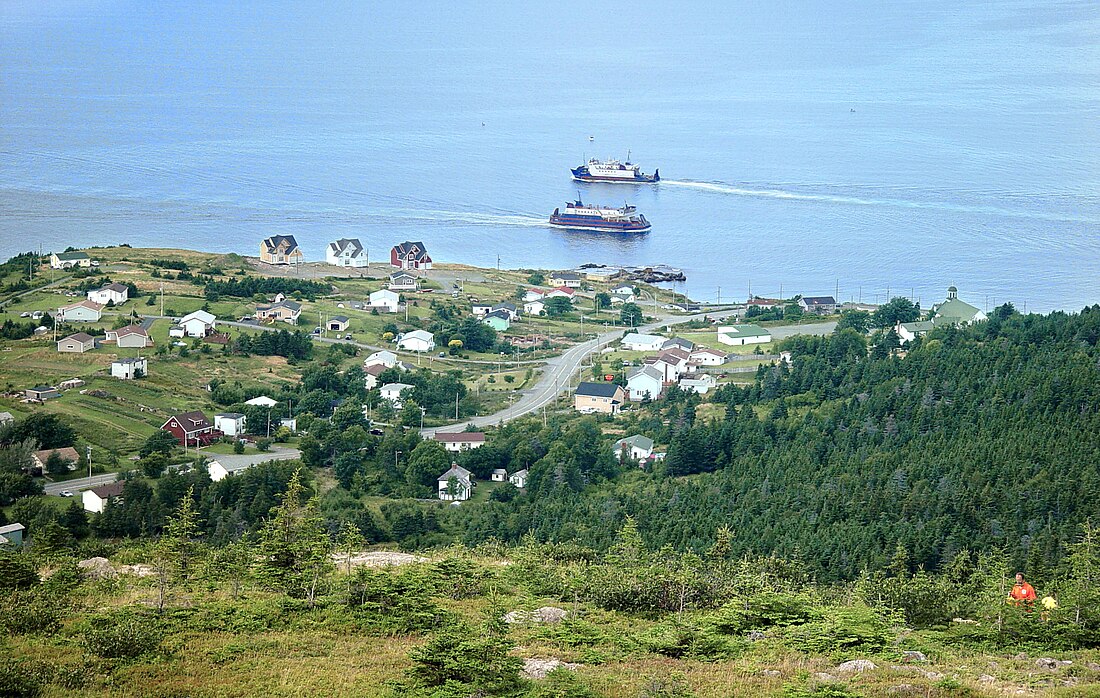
(578, 216)
(614, 171)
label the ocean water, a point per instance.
(806, 146)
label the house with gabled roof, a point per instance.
(410, 255)
(76, 343)
(499, 320)
(68, 260)
(705, 356)
(280, 249)
(346, 252)
(385, 300)
(403, 281)
(130, 368)
(67, 454)
(820, 305)
(646, 382)
(560, 292)
(191, 428)
(457, 484)
(955, 312)
(519, 478)
(416, 340)
(130, 337)
(392, 393)
(741, 335)
(635, 447)
(569, 279)
(338, 323)
(81, 311)
(12, 534)
(284, 310)
(198, 324)
(679, 343)
(460, 441)
(908, 331)
(114, 293)
(603, 398)
(701, 383)
(96, 499)
(635, 341)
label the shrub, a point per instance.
(20, 680)
(852, 629)
(28, 612)
(763, 610)
(16, 571)
(121, 635)
(562, 683)
(393, 603)
(683, 640)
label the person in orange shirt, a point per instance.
(1022, 592)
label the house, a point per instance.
(371, 374)
(568, 279)
(230, 423)
(506, 307)
(262, 401)
(519, 479)
(41, 392)
(6, 418)
(460, 441)
(383, 357)
(290, 423)
(417, 340)
(819, 305)
(705, 356)
(480, 308)
(605, 398)
(955, 312)
(198, 324)
(115, 294)
(190, 428)
(83, 311)
(392, 393)
(672, 362)
(701, 383)
(635, 447)
(219, 471)
(12, 534)
(346, 252)
(533, 294)
(456, 484)
(287, 311)
(68, 260)
(410, 255)
(498, 320)
(499, 475)
(623, 290)
(908, 331)
(131, 336)
(642, 342)
(130, 368)
(76, 343)
(338, 323)
(95, 500)
(645, 382)
(386, 301)
(763, 303)
(67, 454)
(679, 343)
(560, 292)
(403, 281)
(534, 307)
(740, 335)
(280, 249)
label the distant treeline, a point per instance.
(268, 286)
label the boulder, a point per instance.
(755, 636)
(912, 656)
(516, 617)
(856, 665)
(97, 568)
(539, 668)
(546, 614)
(1049, 663)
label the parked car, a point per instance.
(65, 493)
(442, 354)
(347, 336)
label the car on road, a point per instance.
(316, 331)
(442, 354)
(347, 336)
(65, 493)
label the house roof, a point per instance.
(397, 275)
(111, 489)
(818, 300)
(708, 350)
(292, 306)
(460, 437)
(383, 293)
(456, 471)
(340, 318)
(520, 473)
(375, 369)
(70, 256)
(921, 326)
(200, 315)
(418, 334)
(744, 331)
(566, 275)
(12, 528)
(955, 310)
(86, 303)
(647, 371)
(229, 415)
(597, 389)
(505, 305)
(191, 421)
(564, 289)
(67, 453)
(699, 379)
(639, 338)
(395, 386)
(82, 337)
(231, 467)
(675, 354)
(131, 329)
(116, 287)
(272, 243)
(130, 360)
(637, 441)
(679, 342)
(347, 245)
(502, 314)
(383, 355)
(42, 388)
(262, 401)
(409, 249)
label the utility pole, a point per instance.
(719, 296)
(162, 300)
(89, 454)
(456, 405)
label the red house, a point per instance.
(191, 429)
(410, 255)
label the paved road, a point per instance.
(84, 483)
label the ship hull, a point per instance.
(582, 174)
(598, 226)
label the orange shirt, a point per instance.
(1023, 592)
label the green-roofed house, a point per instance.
(955, 312)
(740, 335)
(68, 260)
(908, 331)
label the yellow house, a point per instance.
(280, 249)
(604, 398)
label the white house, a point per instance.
(403, 281)
(560, 292)
(371, 374)
(383, 357)
(68, 260)
(346, 252)
(219, 471)
(460, 441)
(908, 331)
(645, 381)
(533, 294)
(480, 308)
(705, 356)
(392, 393)
(956, 312)
(95, 500)
(741, 335)
(262, 401)
(635, 447)
(111, 293)
(12, 534)
(417, 340)
(569, 279)
(130, 368)
(230, 423)
(519, 479)
(198, 324)
(701, 383)
(131, 337)
(83, 311)
(456, 484)
(385, 301)
(642, 342)
(536, 307)
(499, 475)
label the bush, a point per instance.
(30, 613)
(562, 683)
(120, 636)
(842, 631)
(764, 610)
(20, 680)
(683, 640)
(16, 571)
(393, 603)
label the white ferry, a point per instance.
(578, 216)
(614, 171)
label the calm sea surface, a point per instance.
(906, 145)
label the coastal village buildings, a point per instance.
(385, 301)
(284, 311)
(403, 281)
(68, 260)
(76, 344)
(130, 368)
(68, 455)
(568, 279)
(82, 311)
(262, 401)
(742, 335)
(536, 307)
(130, 337)
(41, 392)
(338, 323)
(190, 429)
(219, 471)
(908, 331)
(346, 252)
(392, 393)
(519, 478)
(819, 305)
(230, 423)
(197, 324)
(955, 312)
(280, 249)
(410, 255)
(371, 374)
(642, 342)
(602, 398)
(645, 382)
(457, 484)
(705, 356)
(12, 534)
(701, 383)
(113, 294)
(460, 441)
(635, 447)
(560, 292)
(383, 358)
(498, 320)
(416, 340)
(95, 500)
